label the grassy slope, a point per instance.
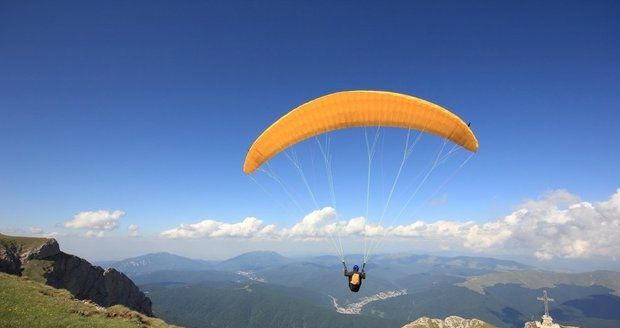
(22, 243)
(27, 303)
(35, 270)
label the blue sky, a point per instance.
(149, 106)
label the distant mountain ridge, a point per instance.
(40, 259)
(158, 262)
(164, 261)
(262, 260)
(535, 279)
(254, 261)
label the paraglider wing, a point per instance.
(349, 109)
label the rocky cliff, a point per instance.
(27, 303)
(449, 322)
(9, 260)
(40, 259)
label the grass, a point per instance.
(27, 303)
(35, 270)
(22, 243)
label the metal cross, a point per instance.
(545, 300)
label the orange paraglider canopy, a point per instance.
(350, 109)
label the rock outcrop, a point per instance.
(449, 322)
(9, 260)
(121, 290)
(48, 248)
(15, 252)
(60, 270)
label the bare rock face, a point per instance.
(48, 248)
(121, 290)
(449, 322)
(9, 260)
(105, 288)
(77, 276)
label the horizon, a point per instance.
(558, 265)
(124, 128)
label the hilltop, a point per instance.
(29, 302)
(41, 260)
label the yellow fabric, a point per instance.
(355, 279)
(349, 109)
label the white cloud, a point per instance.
(559, 225)
(558, 197)
(249, 227)
(134, 230)
(317, 225)
(93, 233)
(95, 220)
(322, 223)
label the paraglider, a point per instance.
(351, 109)
(355, 277)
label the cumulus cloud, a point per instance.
(134, 230)
(323, 222)
(558, 225)
(249, 227)
(317, 225)
(97, 222)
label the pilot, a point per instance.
(355, 277)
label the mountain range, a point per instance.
(156, 262)
(399, 289)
